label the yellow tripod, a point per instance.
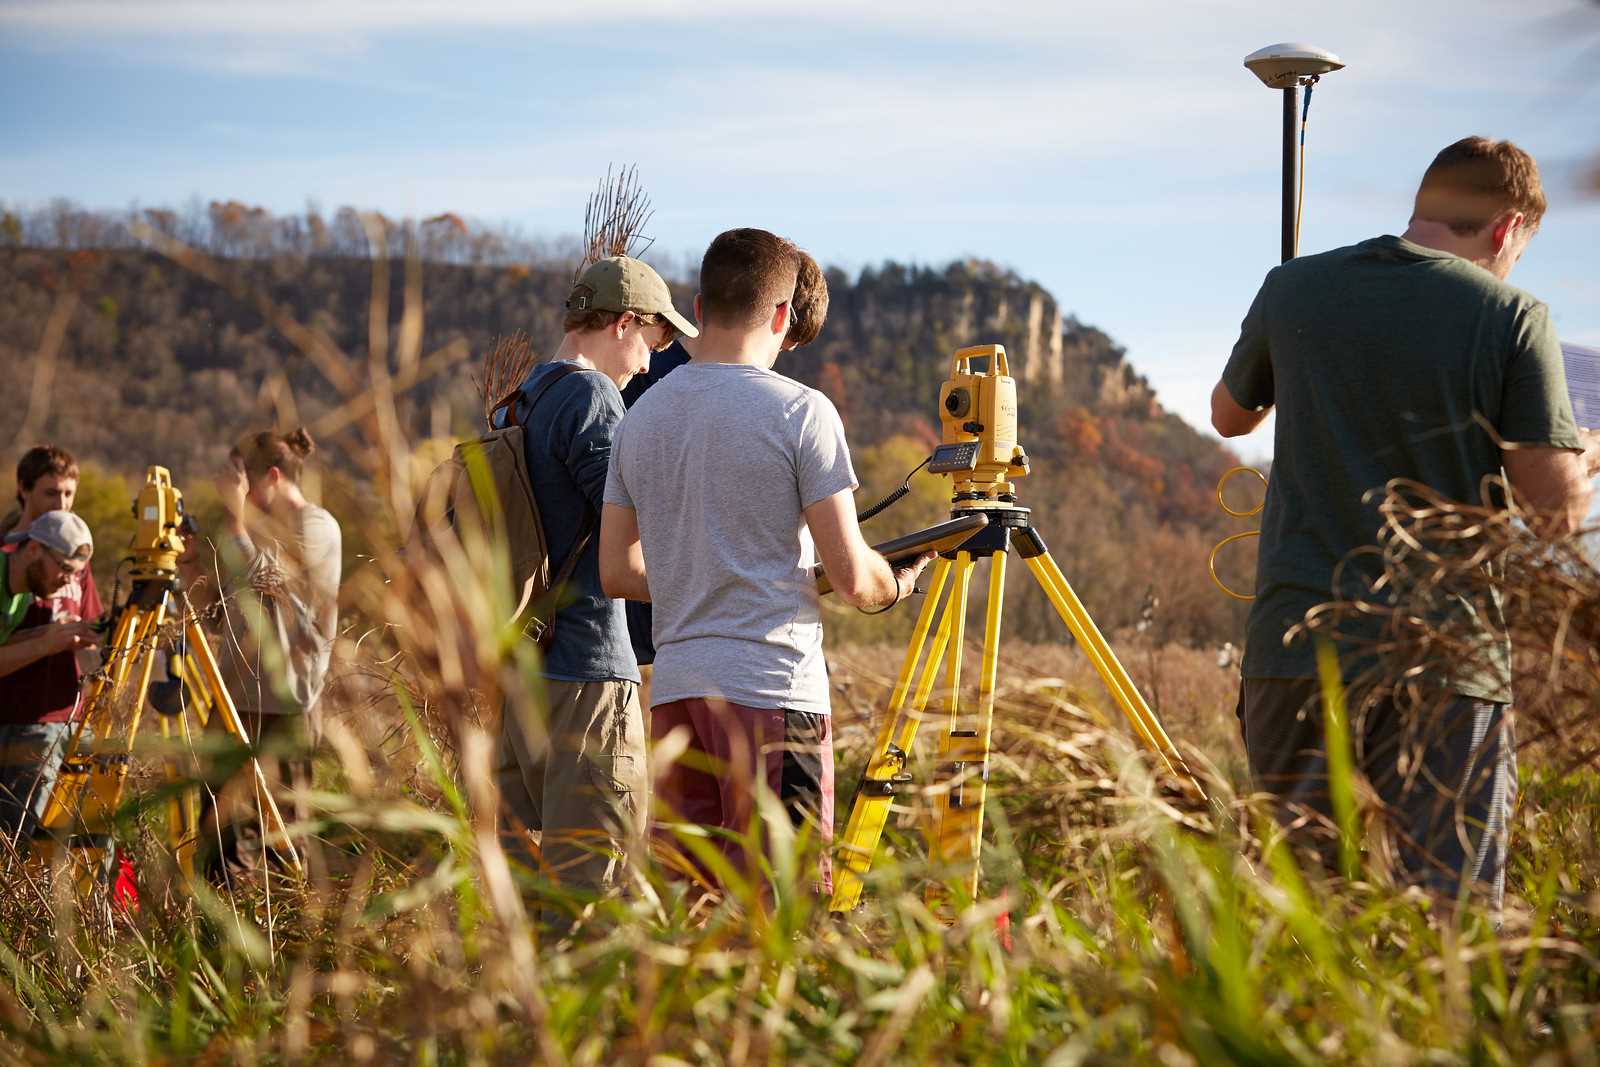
(981, 453)
(79, 815)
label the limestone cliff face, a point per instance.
(1042, 352)
(1101, 375)
(1031, 314)
(904, 322)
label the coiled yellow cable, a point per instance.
(1211, 561)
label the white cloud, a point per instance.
(1159, 38)
(286, 18)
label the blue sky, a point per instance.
(1120, 154)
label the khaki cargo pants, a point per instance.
(580, 781)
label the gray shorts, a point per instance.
(1443, 771)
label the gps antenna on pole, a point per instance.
(1288, 67)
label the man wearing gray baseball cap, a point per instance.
(40, 560)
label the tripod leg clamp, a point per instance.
(887, 787)
(964, 761)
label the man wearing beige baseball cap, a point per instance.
(576, 774)
(47, 554)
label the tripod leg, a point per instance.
(88, 790)
(144, 667)
(902, 685)
(175, 836)
(886, 768)
(184, 817)
(62, 809)
(1123, 691)
(223, 707)
(958, 641)
(958, 821)
(199, 691)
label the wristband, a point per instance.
(898, 596)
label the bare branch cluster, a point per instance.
(617, 211)
(504, 369)
(1446, 567)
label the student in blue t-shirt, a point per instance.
(577, 774)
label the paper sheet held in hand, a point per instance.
(1583, 383)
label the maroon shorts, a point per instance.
(731, 749)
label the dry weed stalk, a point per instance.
(617, 210)
(504, 370)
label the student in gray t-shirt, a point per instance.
(810, 313)
(727, 482)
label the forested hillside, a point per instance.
(162, 363)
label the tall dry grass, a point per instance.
(1143, 927)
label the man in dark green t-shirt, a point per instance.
(1400, 357)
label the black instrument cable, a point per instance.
(894, 497)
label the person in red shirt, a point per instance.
(40, 699)
(38, 664)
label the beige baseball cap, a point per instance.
(622, 283)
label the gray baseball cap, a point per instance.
(62, 531)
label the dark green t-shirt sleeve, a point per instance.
(1248, 375)
(1535, 408)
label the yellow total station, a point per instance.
(157, 542)
(978, 415)
(85, 801)
(981, 455)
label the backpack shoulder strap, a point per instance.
(586, 527)
(570, 564)
(522, 407)
(521, 404)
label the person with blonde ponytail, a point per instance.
(275, 569)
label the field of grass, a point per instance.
(1118, 920)
(1143, 927)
